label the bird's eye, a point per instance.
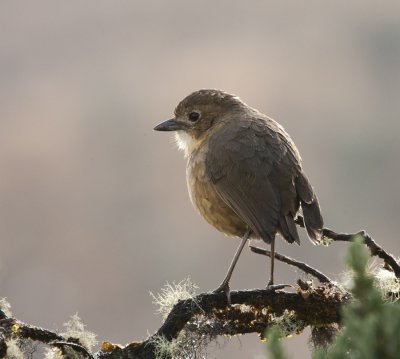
(194, 116)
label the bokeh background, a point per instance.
(94, 211)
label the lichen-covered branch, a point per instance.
(199, 319)
(252, 311)
(318, 306)
(12, 328)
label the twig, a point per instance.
(73, 346)
(11, 327)
(375, 249)
(293, 262)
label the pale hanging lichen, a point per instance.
(14, 350)
(388, 284)
(76, 329)
(288, 323)
(170, 294)
(5, 306)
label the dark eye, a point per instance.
(194, 116)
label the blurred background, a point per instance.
(94, 210)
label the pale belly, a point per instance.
(210, 205)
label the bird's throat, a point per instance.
(186, 142)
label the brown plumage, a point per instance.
(244, 171)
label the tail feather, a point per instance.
(311, 211)
(313, 220)
(288, 229)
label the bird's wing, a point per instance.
(241, 160)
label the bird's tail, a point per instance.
(311, 211)
(288, 229)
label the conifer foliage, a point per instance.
(371, 323)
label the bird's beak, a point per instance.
(169, 125)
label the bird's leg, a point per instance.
(271, 278)
(224, 286)
(271, 285)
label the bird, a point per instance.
(244, 173)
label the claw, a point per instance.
(275, 287)
(224, 288)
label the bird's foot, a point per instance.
(274, 287)
(224, 288)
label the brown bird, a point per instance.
(243, 172)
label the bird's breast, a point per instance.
(207, 201)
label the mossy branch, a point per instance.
(317, 306)
(208, 315)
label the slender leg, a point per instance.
(271, 278)
(224, 286)
(271, 285)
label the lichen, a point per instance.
(170, 294)
(76, 329)
(5, 306)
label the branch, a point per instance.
(319, 306)
(303, 266)
(376, 250)
(70, 346)
(13, 328)
(207, 315)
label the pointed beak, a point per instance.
(169, 125)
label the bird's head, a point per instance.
(198, 115)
